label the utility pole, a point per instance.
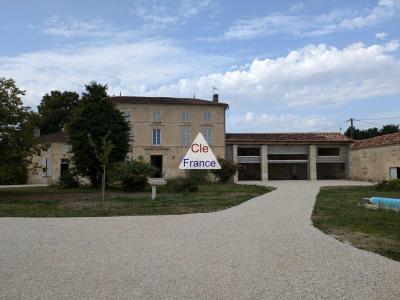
(351, 127)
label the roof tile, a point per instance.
(383, 140)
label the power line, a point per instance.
(376, 124)
(377, 119)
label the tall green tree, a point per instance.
(97, 117)
(16, 134)
(55, 110)
(362, 134)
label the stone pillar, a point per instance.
(312, 162)
(235, 160)
(264, 162)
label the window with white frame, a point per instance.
(208, 135)
(126, 115)
(186, 136)
(65, 148)
(156, 138)
(47, 167)
(185, 116)
(207, 116)
(156, 116)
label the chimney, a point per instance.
(215, 98)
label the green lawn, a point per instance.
(85, 202)
(337, 212)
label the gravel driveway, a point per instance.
(265, 248)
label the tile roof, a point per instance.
(165, 100)
(254, 138)
(61, 136)
(383, 140)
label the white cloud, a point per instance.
(190, 8)
(132, 68)
(156, 14)
(334, 21)
(69, 27)
(316, 75)
(381, 35)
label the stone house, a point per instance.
(375, 159)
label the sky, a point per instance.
(282, 66)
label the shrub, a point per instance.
(69, 179)
(199, 176)
(133, 174)
(228, 169)
(183, 184)
(13, 174)
(391, 185)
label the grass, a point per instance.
(85, 202)
(337, 212)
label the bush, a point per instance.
(13, 174)
(183, 184)
(228, 169)
(69, 179)
(199, 176)
(133, 174)
(391, 185)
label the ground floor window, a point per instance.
(394, 173)
(64, 166)
(287, 171)
(331, 171)
(249, 171)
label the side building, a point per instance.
(288, 156)
(162, 129)
(376, 159)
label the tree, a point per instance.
(97, 116)
(359, 134)
(16, 134)
(55, 110)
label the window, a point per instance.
(207, 116)
(185, 116)
(186, 136)
(248, 151)
(155, 116)
(47, 167)
(207, 132)
(65, 148)
(328, 151)
(126, 115)
(156, 136)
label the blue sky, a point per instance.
(281, 65)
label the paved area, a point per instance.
(265, 248)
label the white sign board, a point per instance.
(199, 156)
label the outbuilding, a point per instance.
(288, 156)
(376, 159)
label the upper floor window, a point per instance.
(185, 116)
(186, 136)
(156, 138)
(156, 116)
(208, 135)
(126, 115)
(333, 151)
(65, 148)
(207, 116)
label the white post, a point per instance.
(153, 192)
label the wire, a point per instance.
(376, 124)
(388, 118)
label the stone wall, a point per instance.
(373, 164)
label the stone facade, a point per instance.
(374, 163)
(172, 125)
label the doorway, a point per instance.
(64, 166)
(157, 162)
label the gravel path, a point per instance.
(265, 248)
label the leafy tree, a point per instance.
(97, 116)
(55, 110)
(359, 134)
(228, 169)
(16, 134)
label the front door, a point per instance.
(157, 162)
(64, 166)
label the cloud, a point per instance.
(316, 75)
(284, 122)
(190, 8)
(381, 35)
(156, 14)
(69, 27)
(306, 25)
(132, 68)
